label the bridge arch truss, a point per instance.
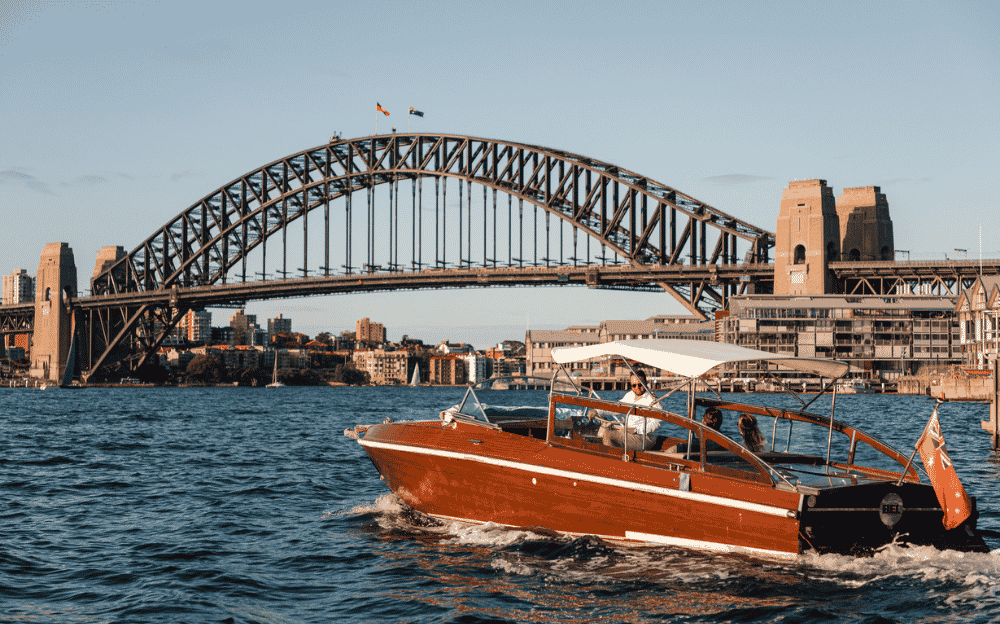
(581, 211)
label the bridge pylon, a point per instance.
(53, 331)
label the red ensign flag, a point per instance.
(950, 493)
(378, 108)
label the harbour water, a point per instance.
(249, 505)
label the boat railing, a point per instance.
(852, 440)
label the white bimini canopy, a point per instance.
(693, 358)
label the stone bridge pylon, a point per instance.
(55, 286)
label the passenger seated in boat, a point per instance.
(752, 438)
(711, 419)
(639, 432)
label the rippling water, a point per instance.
(249, 505)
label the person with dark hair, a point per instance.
(712, 418)
(638, 432)
(752, 438)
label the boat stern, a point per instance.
(859, 520)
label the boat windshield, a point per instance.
(516, 398)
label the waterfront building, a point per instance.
(367, 332)
(18, 287)
(236, 356)
(978, 312)
(176, 358)
(538, 345)
(508, 367)
(447, 370)
(676, 319)
(880, 336)
(652, 330)
(478, 367)
(540, 342)
(383, 367)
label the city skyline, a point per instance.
(120, 116)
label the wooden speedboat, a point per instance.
(817, 483)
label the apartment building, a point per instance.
(538, 345)
(880, 336)
(368, 332)
(447, 370)
(978, 312)
(18, 287)
(383, 367)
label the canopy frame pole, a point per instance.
(829, 437)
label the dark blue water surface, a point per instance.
(250, 505)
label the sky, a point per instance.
(117, 116)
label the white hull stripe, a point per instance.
(579, 476)
(726, 548)
(650, 538)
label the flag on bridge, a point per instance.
(414, 111)
(379, 109)
(950, 493)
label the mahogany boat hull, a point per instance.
(481, 475)
(478, 474)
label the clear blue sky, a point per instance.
(116, 116)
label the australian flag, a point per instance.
(954, 501)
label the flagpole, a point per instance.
(917, 445)
(376, 118)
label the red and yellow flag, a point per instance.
(379, 109)
(950, 493)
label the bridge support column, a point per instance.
(56, 282)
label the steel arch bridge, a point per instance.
(621, 229)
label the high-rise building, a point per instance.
(244, 327)
(279, 325)
(198, 324)
(367, 332)
(18, 287)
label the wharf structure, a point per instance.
(881, 337)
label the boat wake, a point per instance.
(529, 552)
(923, 563)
